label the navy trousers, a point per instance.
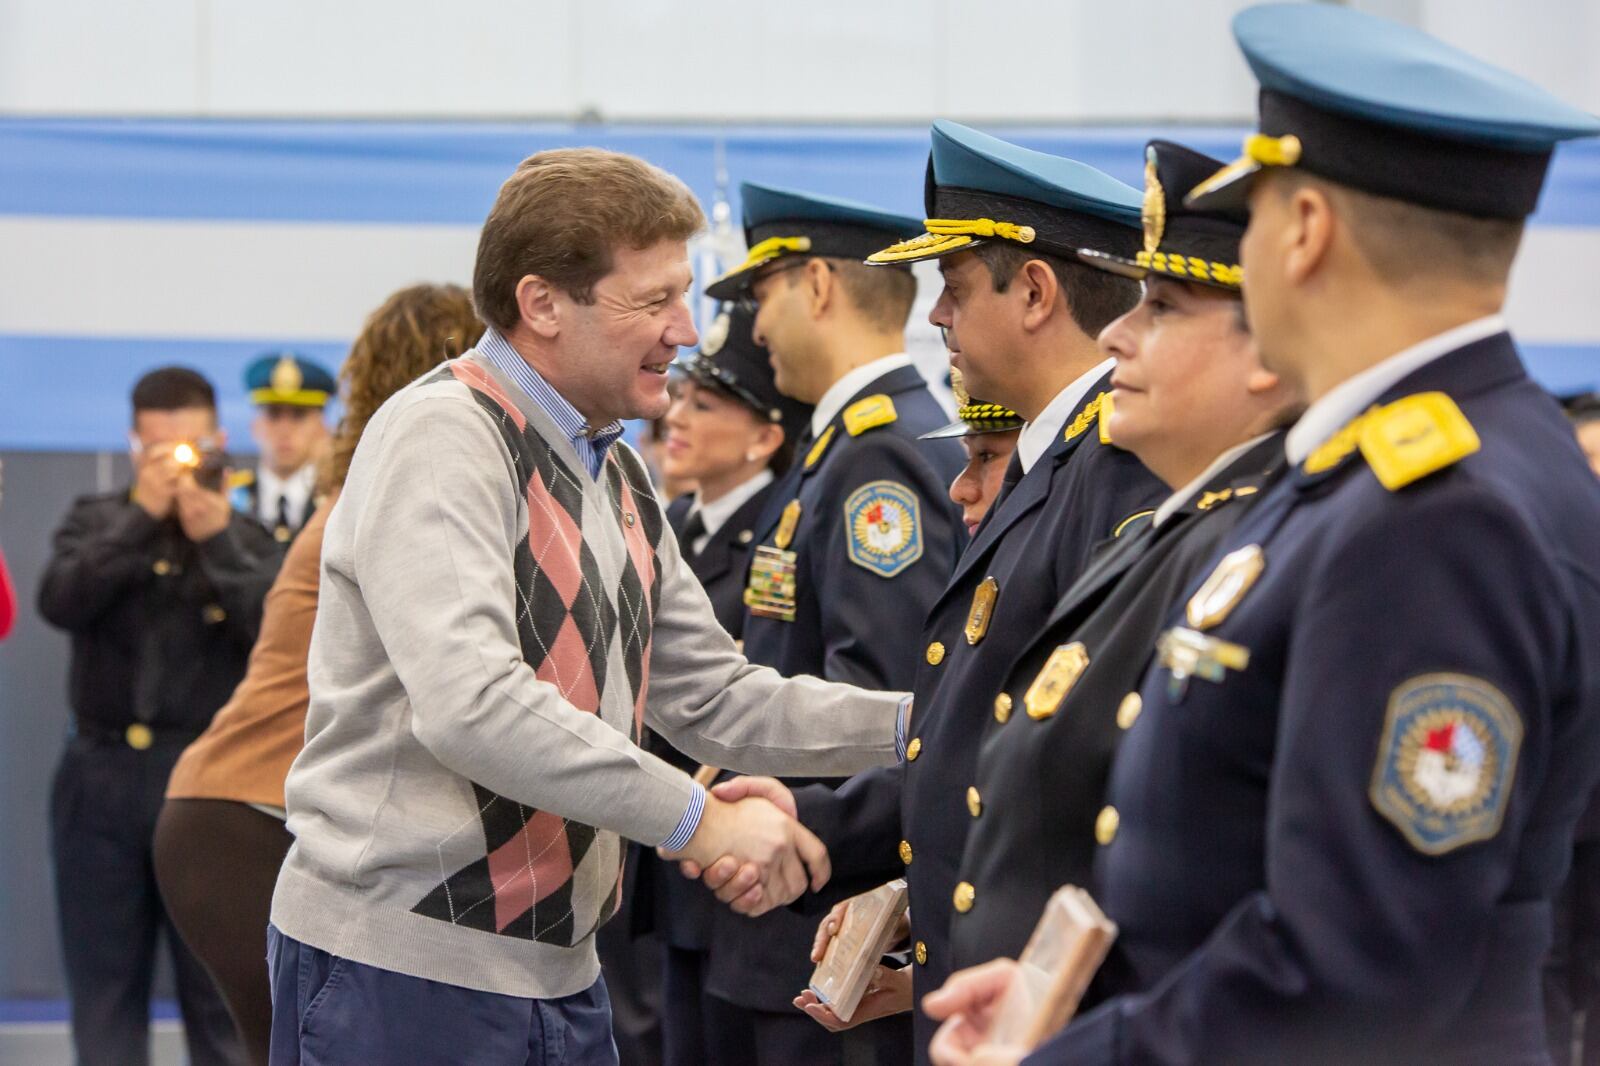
(328, 1011)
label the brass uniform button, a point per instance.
(139, 736)
(965, 896)
(922, 953)
(935, 653)
(213, 614)
(1002, 707)
(162, 567)
(1129, 710)
(282, 534)
(1105, 826)
(974, 801)
(905, 852)
(627, 516)
(746, 536)
(913, 749)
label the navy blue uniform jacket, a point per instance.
(1345, 849)
(851, 624)
(1033, 545)
(1040, 780)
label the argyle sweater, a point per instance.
(494, 628)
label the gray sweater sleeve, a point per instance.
(432, 561)
(710, 702)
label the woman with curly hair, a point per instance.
(221, 836)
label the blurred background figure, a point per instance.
(291, 394)
(160, 587)
(653, 445)
(8, 596)
(730, 432)
(1584, 410)
(221, 837)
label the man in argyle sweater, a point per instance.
(502, 610)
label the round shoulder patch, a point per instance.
(1446, 761)
(884, 523)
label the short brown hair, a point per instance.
(884, 295)
(1403, 240)
(562, 215)
(415, 330)
(1095, 298)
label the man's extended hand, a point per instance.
(778, 856)
(734, 882)
(201, 512)
(968, 1005)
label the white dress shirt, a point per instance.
(840, 391)
(715, 514)
(296, 488)
(1350, 397)
(1037, 436)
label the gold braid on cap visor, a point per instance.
(766, 251)
(948, 234)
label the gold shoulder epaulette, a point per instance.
(1105, 418)
(870, 413)
(1087, 417)
(1403, 441)
(241, 479)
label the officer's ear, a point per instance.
(1039, 290)
(821, 286)
(1309, 225)
(537, 306)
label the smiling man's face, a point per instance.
(615, 351)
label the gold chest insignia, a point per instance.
(982, 612)
(786, 525)
(1226, 586)
(1056, 678)
(819, 447)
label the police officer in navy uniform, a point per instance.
(291, 393)
(731, 431)
(1334, 832)
(1020, 315)
(1196, 406)
(855, 544)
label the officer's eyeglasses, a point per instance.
(747, 302)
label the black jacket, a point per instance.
(660, 898)
(858, 618)
(161, 627)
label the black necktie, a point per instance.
(283, 513)
(693, 530)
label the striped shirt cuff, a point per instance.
(689, 823)
(900, 727)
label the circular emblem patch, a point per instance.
(885, 523)
(1447, 760)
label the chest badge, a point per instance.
(1186, 653)
(982, 612)
(884, 520)
(787, 524)
(1226, 586)
(1056, 678)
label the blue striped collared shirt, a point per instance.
(591, 445)
(591, 448)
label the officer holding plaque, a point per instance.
(855, 545)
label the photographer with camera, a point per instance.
(161, 588)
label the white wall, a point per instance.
(821, 60)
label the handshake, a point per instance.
(749, 849)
